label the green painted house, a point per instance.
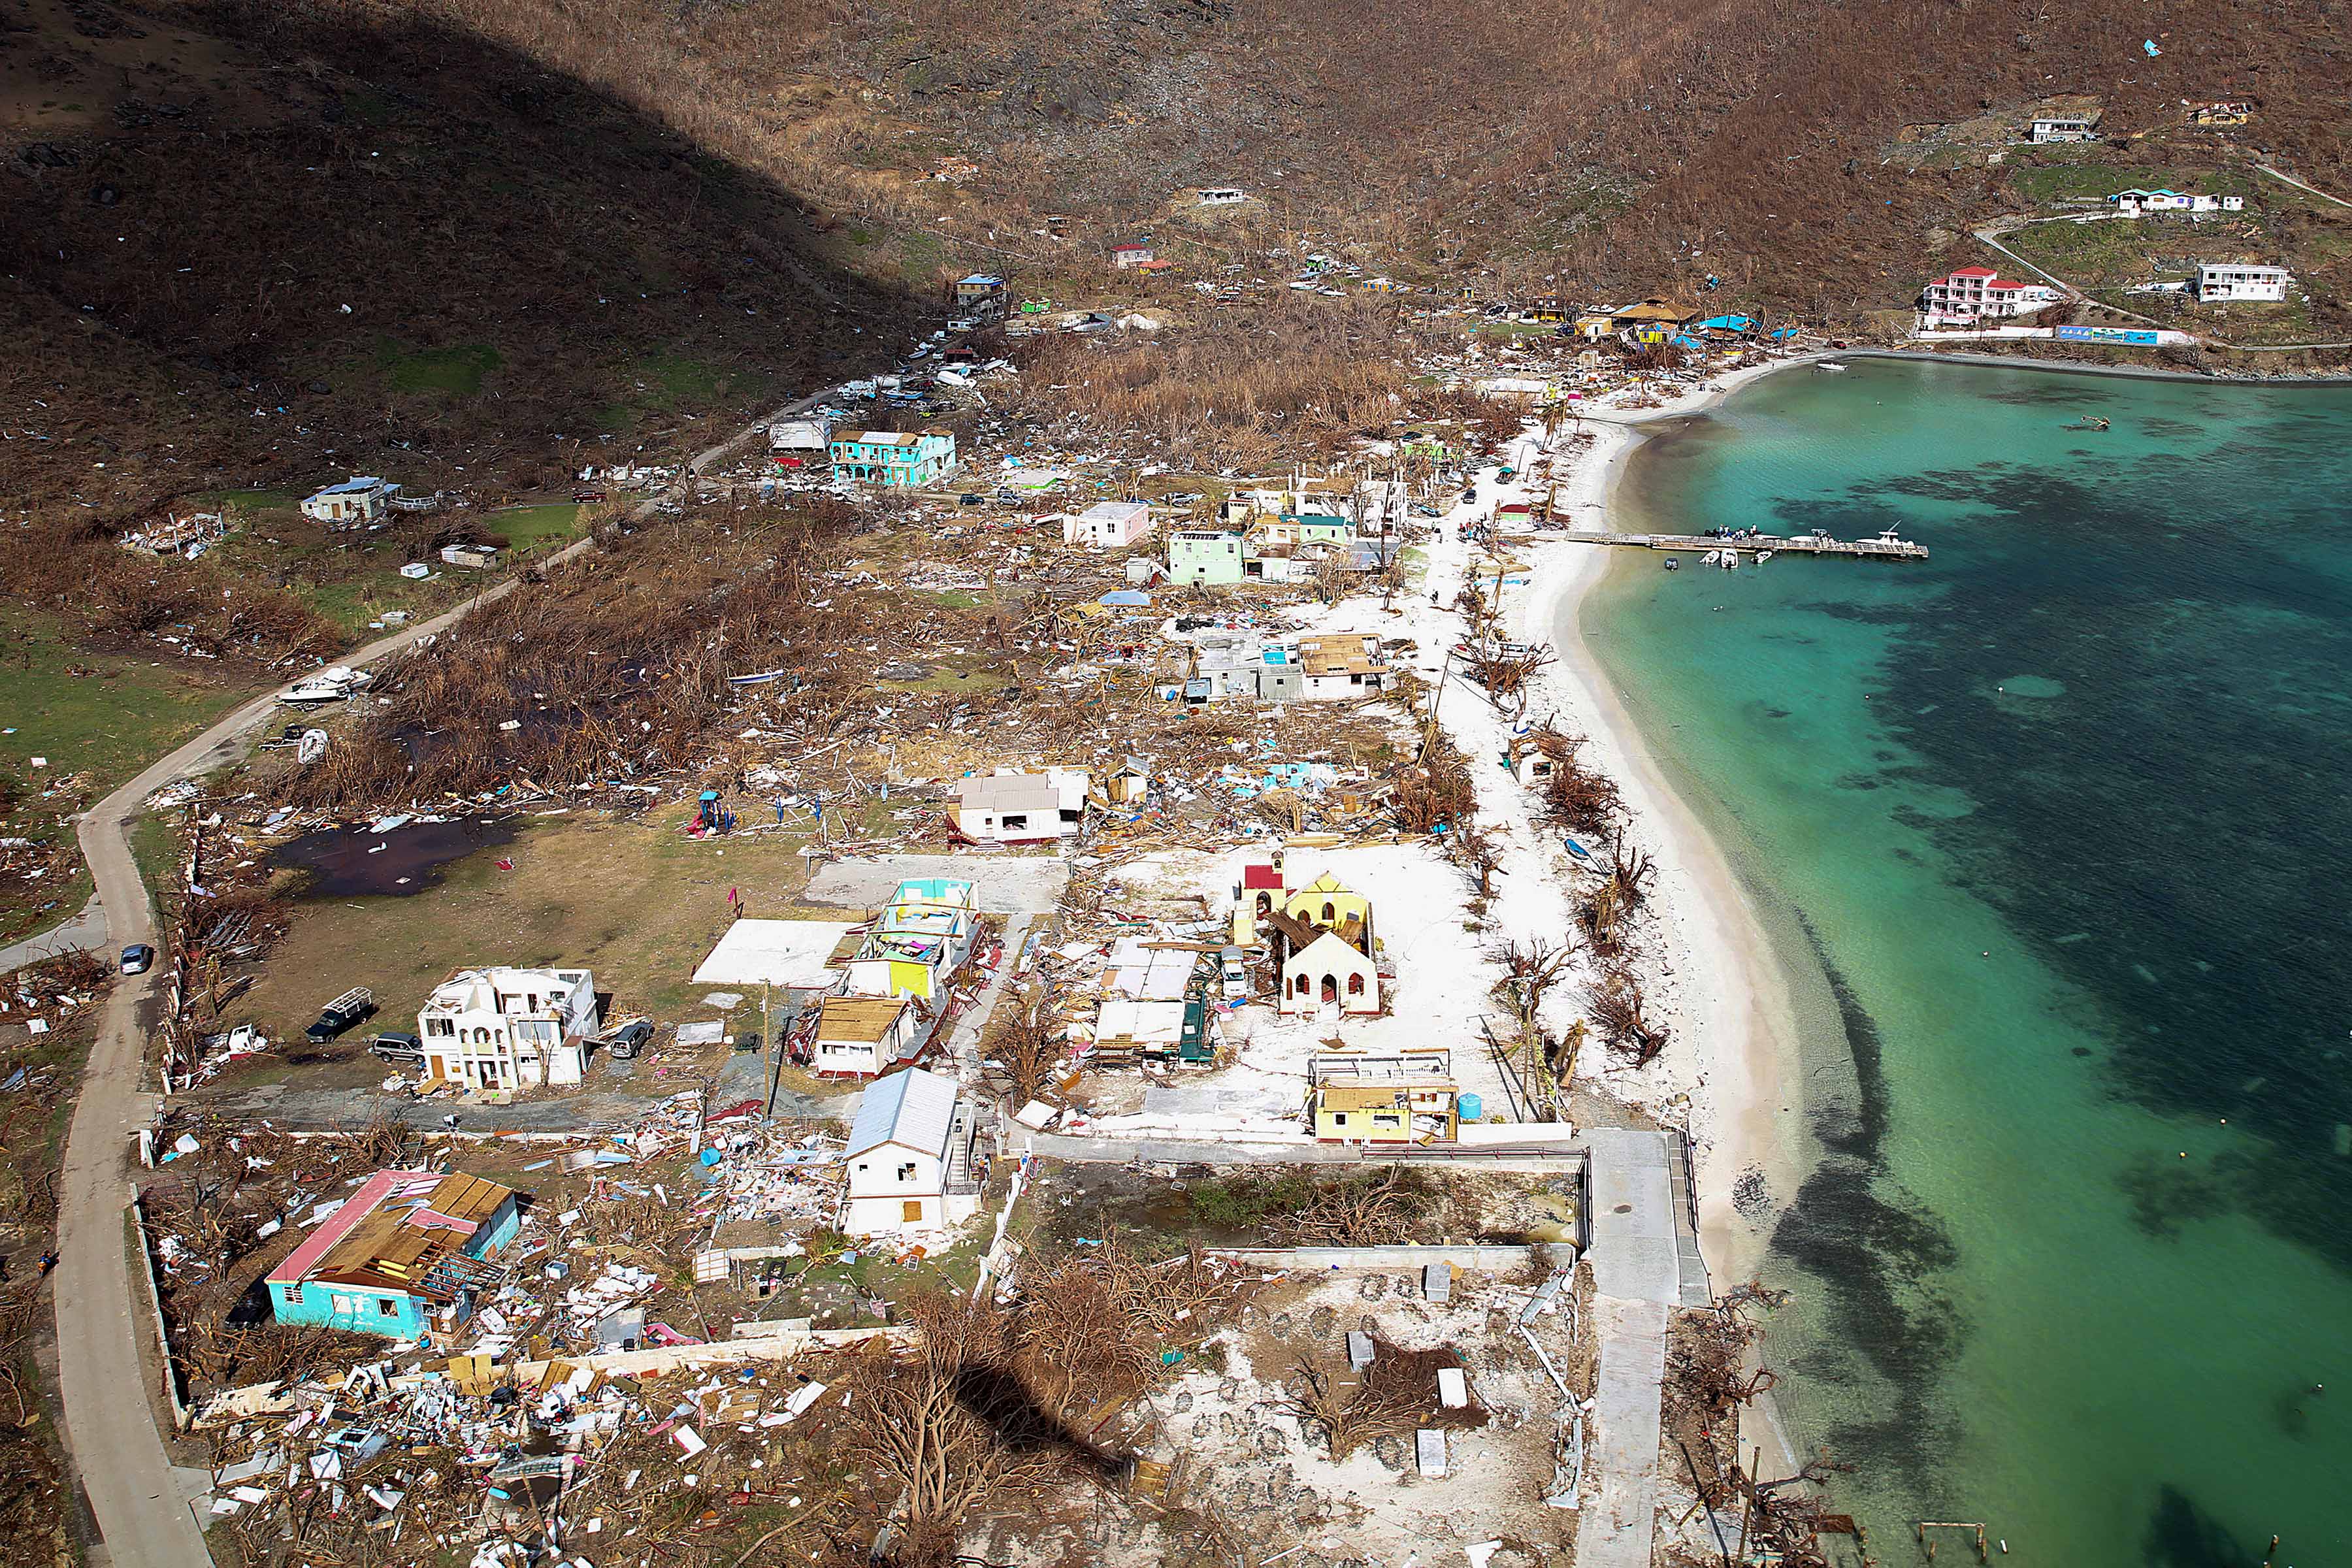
(1210, 555)
(897, 459)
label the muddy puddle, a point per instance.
(354, 863)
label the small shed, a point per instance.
(1128, 784)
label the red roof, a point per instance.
(1976, 272)
(343, 1221)
(2005, 283)
(1129, 246)
(1261, 875)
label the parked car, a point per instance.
(341, 1013)
(748, 1040)
(400, 1050)
(628, 1039)
(138, 958)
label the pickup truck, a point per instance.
(341, 1013)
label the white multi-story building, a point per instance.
(509, 1029)
(2223, 280)
(2064, 128)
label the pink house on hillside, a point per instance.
(1979, 294)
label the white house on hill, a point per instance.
(910, 1157)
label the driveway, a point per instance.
(1007, 884)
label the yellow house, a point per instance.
(1356, 1110)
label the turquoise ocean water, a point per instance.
(2058, 826)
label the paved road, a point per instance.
(85, 932)
(117, 1452)
(1637, 1277)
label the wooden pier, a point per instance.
(1862, 548)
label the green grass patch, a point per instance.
(529, 527)
(2070, 180)
(99, 715)
(457, 370)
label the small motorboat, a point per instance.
(1672, 564)
(332, 684)
(1762, 556)
(1829, 367)
(2088, 421)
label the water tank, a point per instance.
(1470, 1106)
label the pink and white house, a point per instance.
(1977, 294)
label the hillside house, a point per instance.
(1130, 255)
(894, 459)
(1221, 195)
(2064, 128)
(2220, 281)
(1107, 525)
(1206, 556)
(1020, 808)
(404, 1254)
(980, 296)
(503, 1028)
(799, 443)
(864, 1036)
(359, 498)
(1977, 294)
(2139, 202)
(912, 1157)
(2220, 111)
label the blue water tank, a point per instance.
(1470, 1106)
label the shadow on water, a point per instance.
(1853, 1226)
(354, 863)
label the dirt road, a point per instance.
(117, 1450)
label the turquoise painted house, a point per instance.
(1210, 555)
(404, 1249)
(897, 459)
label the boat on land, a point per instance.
(1579, 853)
(332, 684)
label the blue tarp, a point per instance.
(1126, 597)
(1728, 325)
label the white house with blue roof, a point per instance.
(910, 1157)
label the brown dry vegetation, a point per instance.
(1232, 392)
(1616, 139)
(616, 666)
(287, 243)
